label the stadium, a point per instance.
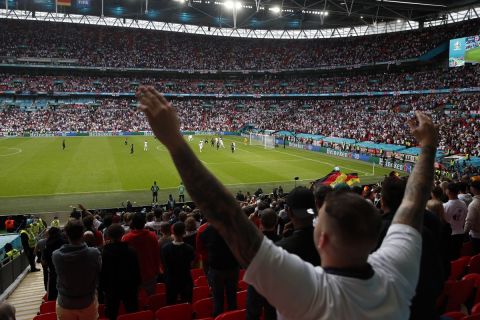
(148, 150)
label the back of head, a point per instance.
(437, 192)
(7, 311)
(74, 230)
(393, 189)
(88, 222)
(301, 206)
(179, 229)
(269, 218)
(320, 191)
(115, 232)
(165, 228)
(436, 207)
(138, 221)
(53, 233)
(462, 187)
(190, 224)
(8, 247)
(352, 220)
(452, 189)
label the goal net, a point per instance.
(265, 140)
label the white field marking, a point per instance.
(255, 161)
(148, 190)
(16, 151)
(319, 161)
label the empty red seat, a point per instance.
(46, 316)
(458, 268)
(201, 281)
(475, 309)
(203, 308)
(454, 294)
(242, 300)
(156, 301)
(474, 264)
(182, 311)
(475, 277)
(48, 307)
(160, 288)
(141, 315)
(232, 315)
(200, 293)
(196, 273)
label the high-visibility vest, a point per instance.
(35, 228)
(31, 238)
(9, 224)
(55, 223)
(41, 224)
(12, 254)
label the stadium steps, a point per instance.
(27, 297)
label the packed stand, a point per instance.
(119, 47)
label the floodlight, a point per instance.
(275, 9)
(230, 4)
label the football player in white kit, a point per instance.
(145, 145)
(200, 145)
(190, 138)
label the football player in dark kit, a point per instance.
(131, 149)
(63, 144)
(154, 190)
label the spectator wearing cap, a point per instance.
(301, 211)
(120, 275)
(472, 223)
(455, 213)
(177, 257)
(78, 268)
(256, 302)
(145, 243)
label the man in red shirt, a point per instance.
(10, 225)
(145, 243)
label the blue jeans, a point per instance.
(223, 282)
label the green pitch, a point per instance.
(38, 176)
(472, 55)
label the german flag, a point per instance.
(337, 177)
(65, 3)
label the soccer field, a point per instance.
(472, 55)
(38, 176)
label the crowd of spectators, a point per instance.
(121, 47)
(435, 79)
(381, 120)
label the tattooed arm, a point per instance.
(420, 182)
(215, 201)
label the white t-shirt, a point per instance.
(455, 214)
(301, 291)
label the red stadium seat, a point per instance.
(160, 288)
(48, 307)
(181, 311)
(466, 249)
(474, 264)
(455, 293)
(101, 311)
(156, 302)
(455, 315)
(200, 293)
(475, 277)
(475, 309)
(472, 317)
(242, 300)
(242, 285)
(196, 273)
(232, 315)
(46, 316)
(458, 268)
(241, 274)
(201, 281)
(203, 308)
(141, 315)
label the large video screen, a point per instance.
(464, 50)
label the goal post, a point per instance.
(265, 140)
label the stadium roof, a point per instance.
(302, 18)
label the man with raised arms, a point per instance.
(351, 283)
